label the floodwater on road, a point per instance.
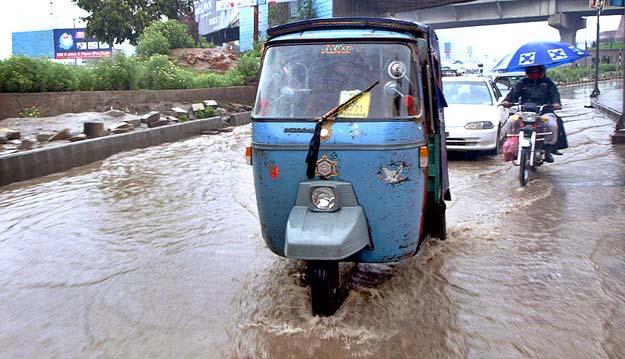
(157, 253)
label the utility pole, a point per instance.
(620, 125)
(256, 22)
(595, 91)
(619, 131)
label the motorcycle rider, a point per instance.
(538, 89)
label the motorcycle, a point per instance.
(347, 150)
(531, 137)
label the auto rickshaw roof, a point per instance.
(343, 34)
(353, 23)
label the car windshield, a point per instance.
(467, 93)
(308, 80)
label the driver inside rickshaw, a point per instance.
(327, 85)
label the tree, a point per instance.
(114, 21)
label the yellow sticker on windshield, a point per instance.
(359, 109)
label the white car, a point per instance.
(473, 119)
(507, 80)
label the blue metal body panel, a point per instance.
(379, 159)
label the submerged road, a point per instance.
(157, 253)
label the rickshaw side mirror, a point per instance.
(391, 89)
(396, 69)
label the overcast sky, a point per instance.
(488, 43)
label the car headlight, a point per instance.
(479, 125)
(323, 198)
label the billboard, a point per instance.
(212, 15)
(74, 44)
(33, 43)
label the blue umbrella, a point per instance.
(546, 53)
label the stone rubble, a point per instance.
(44, 136)
(150, 117)
(10, 134)
(78, 137)
(61, 135)
(197, 107)
(231, 114)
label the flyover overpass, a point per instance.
(564, 15)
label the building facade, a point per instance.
(215, 15)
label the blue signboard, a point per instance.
(616, 2)
(33, 43)
(74, 44)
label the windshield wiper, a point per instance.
(313, 148)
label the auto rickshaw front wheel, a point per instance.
(324, 285)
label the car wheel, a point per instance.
(497, 150)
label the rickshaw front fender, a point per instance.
(312, 235)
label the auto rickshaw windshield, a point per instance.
(307, 80)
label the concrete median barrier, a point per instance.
(40, 162)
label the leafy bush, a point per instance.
(27, 74)
(19, 74)
(161, 36)
(205, 113)
(117, 73)
(176, 32)
(204, 44)
(162, 74)
(249, 65)
(86, 78)
(232, 77)
(207, 80)
(607, 67)
(151, 44)
(249, 62)
(54, 77)
(568, 74)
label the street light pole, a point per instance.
(595, 91)
(620, 124)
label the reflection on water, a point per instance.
(157, 253)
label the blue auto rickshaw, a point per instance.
(348, 146)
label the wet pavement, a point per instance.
(157, 253)
(612, 98)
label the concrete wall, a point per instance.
(55, 103)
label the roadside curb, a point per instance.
(609, 111)
(44, 161)
(588, 81)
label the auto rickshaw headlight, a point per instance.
(479, 125)
(323, 198)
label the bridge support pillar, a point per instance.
(567, 24)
